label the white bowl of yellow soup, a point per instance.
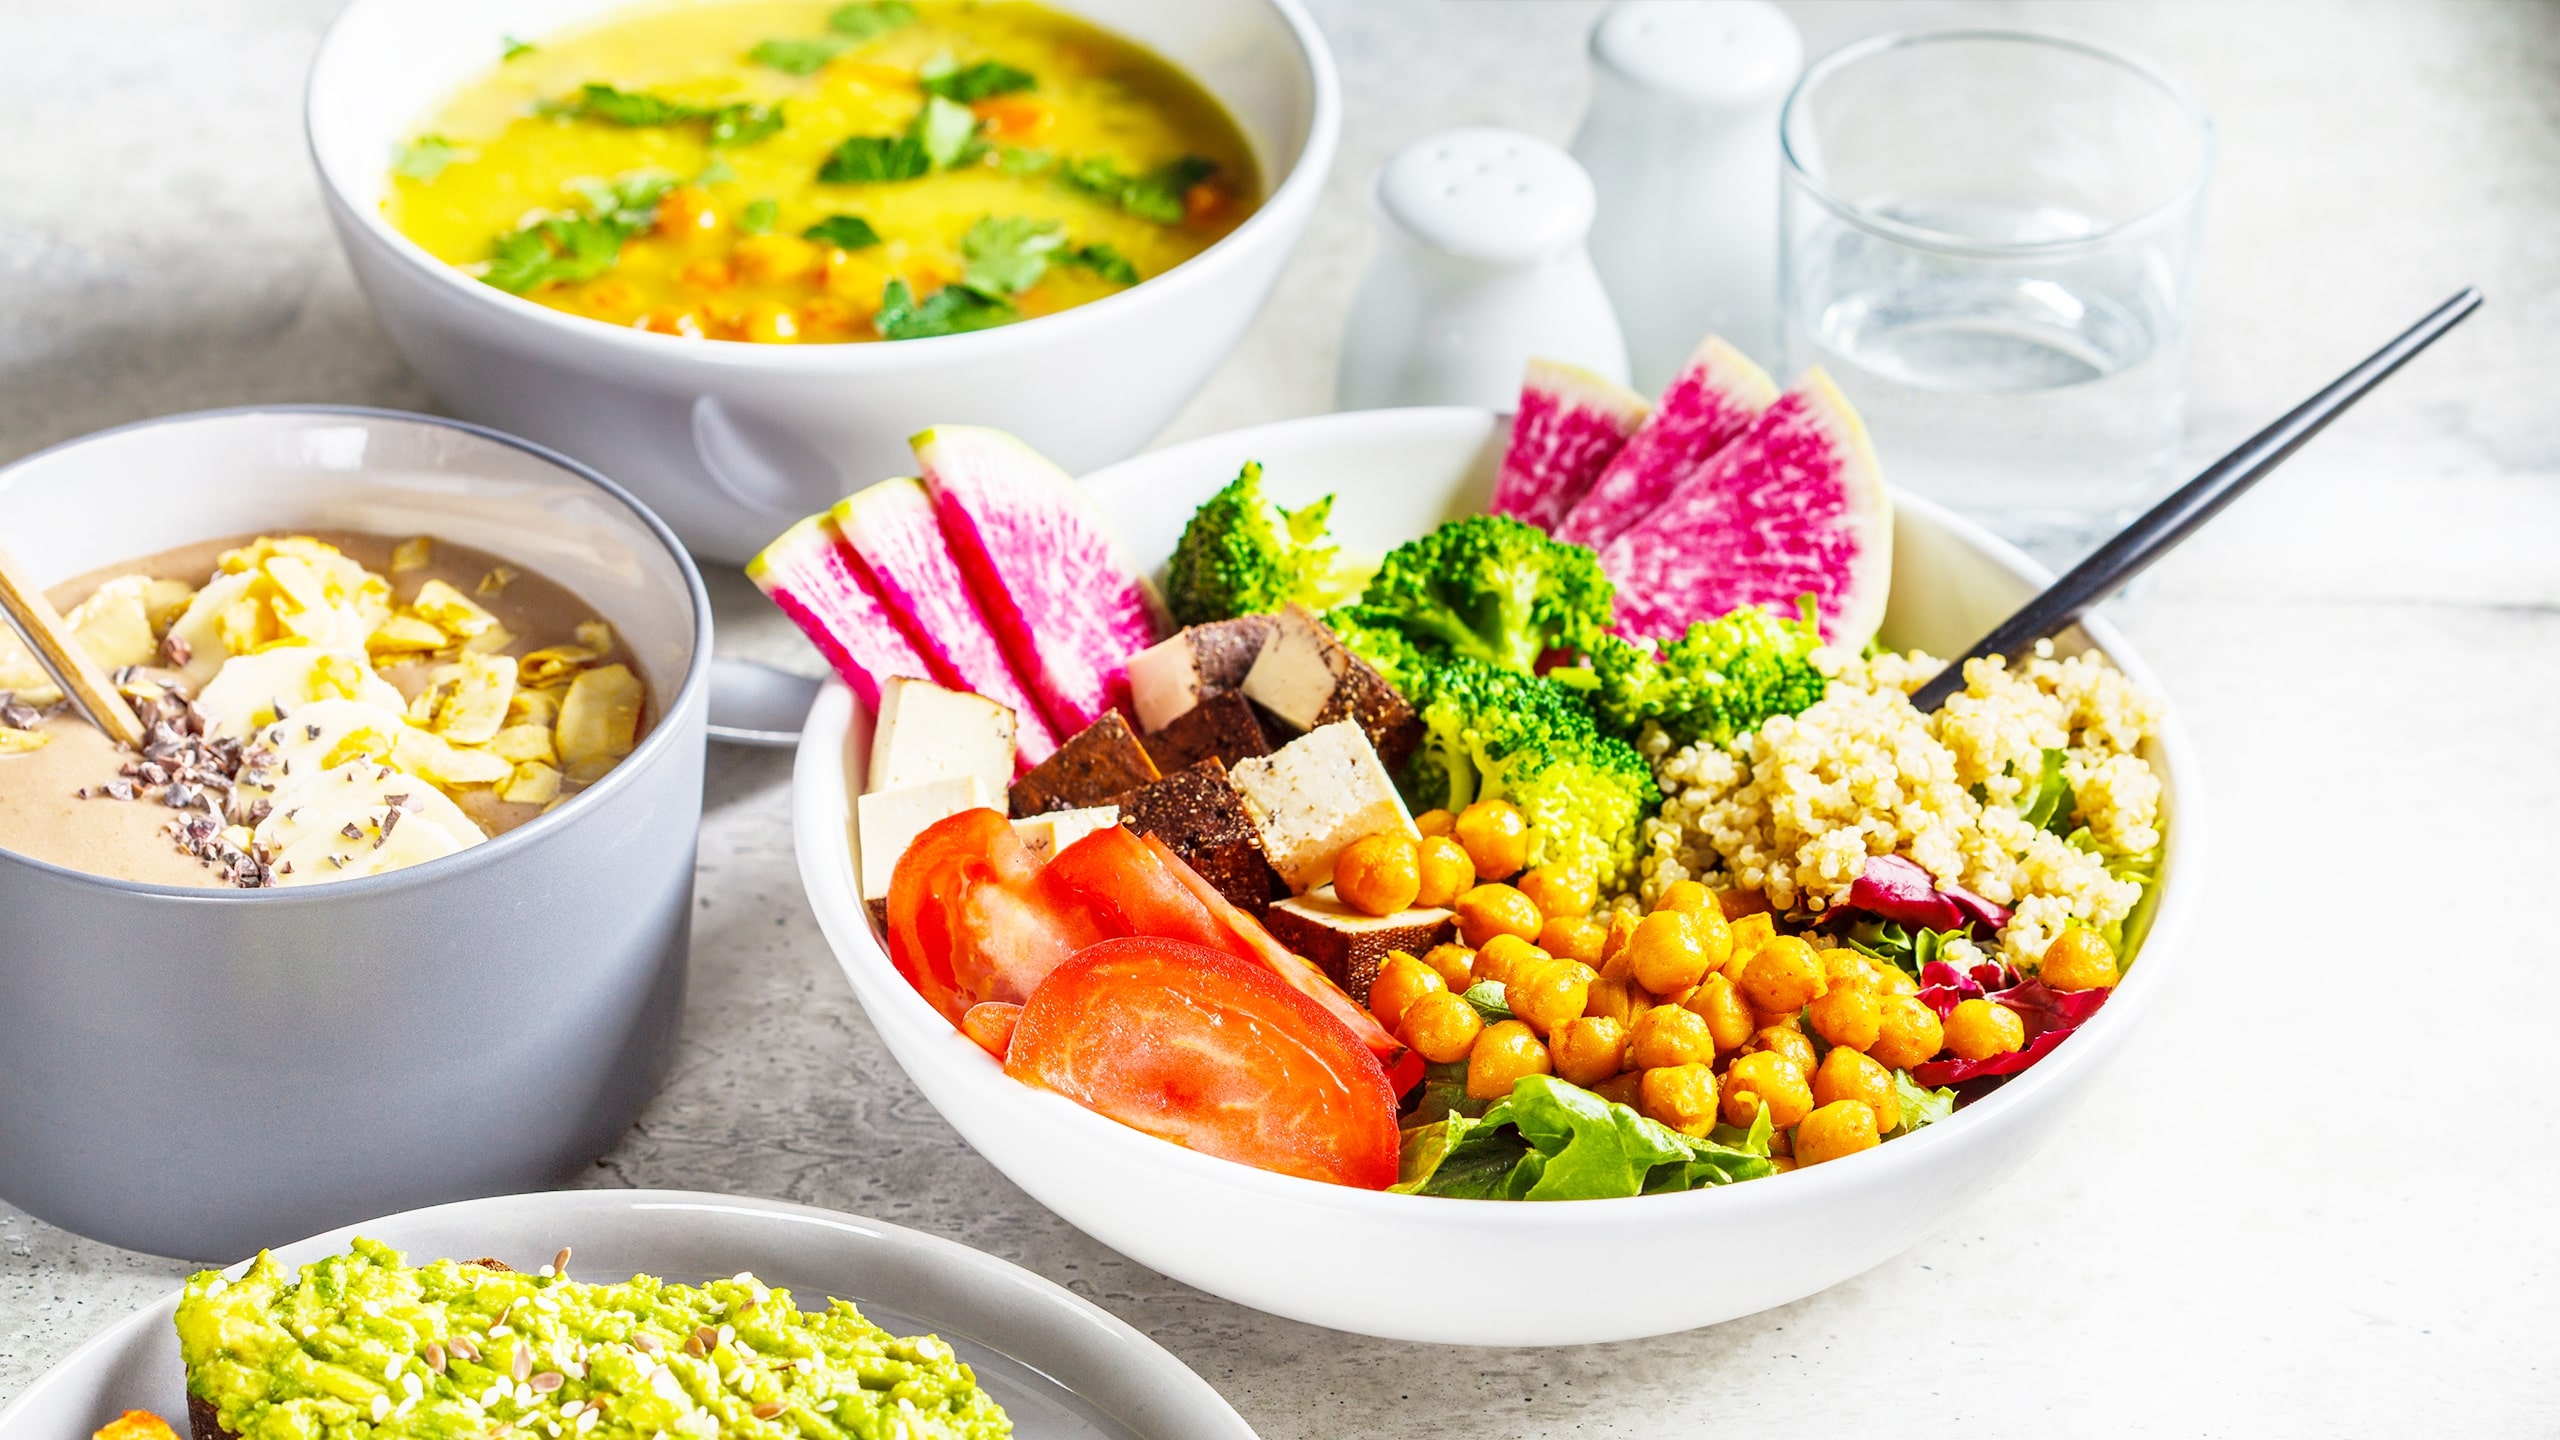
(1108, 187)
(1482, 1272)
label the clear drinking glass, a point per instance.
(1989, 240)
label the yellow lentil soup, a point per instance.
(795, 171)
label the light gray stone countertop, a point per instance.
(2317, 1196)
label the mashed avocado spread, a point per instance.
(361, 1346)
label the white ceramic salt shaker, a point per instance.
(1681, 143)
(1480, 266)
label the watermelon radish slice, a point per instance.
(1715, 397)
(1571, 422)
(891, 526)
(1064, 601)
(817, 580)
(1797, 506)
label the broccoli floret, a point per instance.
(1496, 734)
(1243, 555)
(1490, 588)
(1718, 681)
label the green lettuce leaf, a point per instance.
(1490, 999)
(2049, 805)
(1921, 1106)
(1551, 1140)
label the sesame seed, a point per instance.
(409, 1385)
(524, 1396)
(381, 1408)
(588, 1421)
(767, 1410)
(573, 1408)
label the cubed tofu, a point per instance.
(1307, 678)
(1048, 834)
(886, 822)
(1349, 945)
(1199, 816)
(1314, 796)
(926, 732)
(1223, 728)
(1096, 766)
(1169, 678)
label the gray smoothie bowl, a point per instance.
(203, 1072)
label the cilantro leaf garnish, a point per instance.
(744, 124)
(1156, 195)
(870, 159)
(740, 123)
(799, 56)
(948, 311)
(758, 217)
(845, 232)
(974, 82)
(558, 249)
(1102, 260)
(514, 47)
(867, 19)
(1008, 255)
(425, 157)
(945, 129)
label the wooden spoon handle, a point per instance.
(70, 664)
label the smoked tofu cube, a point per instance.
(1315, 795)
(926, 732)
(1349, 945)
(1199, 816)
(1223, 728)
(1204, 660)
(1048, 834)
(1307, 678)
(886, 822)
(1096, 766)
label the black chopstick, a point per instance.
(2160, 528)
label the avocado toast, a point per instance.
(363, 1346)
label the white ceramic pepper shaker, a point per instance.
(1681, 143)
(1480, 266)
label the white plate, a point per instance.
(1062, 1368)
(1480, 1272)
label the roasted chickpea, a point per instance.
(1980, 1029)
(1669, 1035)
(1686, 897)
(1848, 1016)
(1454, 964)
(1843, 1127)
(1894, 980)
(1502, 1054)
(1680, 1096)
(1665, 955)
(1909, 1033)
(1560, 894)
(1496, 837)
(1434, 822)
(1589, 1050)
(1441, 1027)
(1728, 1016)
(1490, 910)
(1622, 928)
(1548, 995)
(1378, 874)
(1505, 955)
(1784, 975)
(1401, 980)
(1443, 871)
(1844, 966)
(1785, 1042)
(1749, 934)
(1764, 1078)
(1737, 903)
(1573, 939)
(1614, 999)
(1844, 1074)
(1625, 1090)
(2079, 959)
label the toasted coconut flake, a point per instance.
(599, 722)
(413, 554)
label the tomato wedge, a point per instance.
(972, 918)
(1134, 891)
(1246, 937)
(1196, 1046)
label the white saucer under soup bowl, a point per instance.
(1381, 1264)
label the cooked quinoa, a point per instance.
(1795, 808)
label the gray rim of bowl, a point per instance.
(1922, 237)
(1315, 160)
(497, 849)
